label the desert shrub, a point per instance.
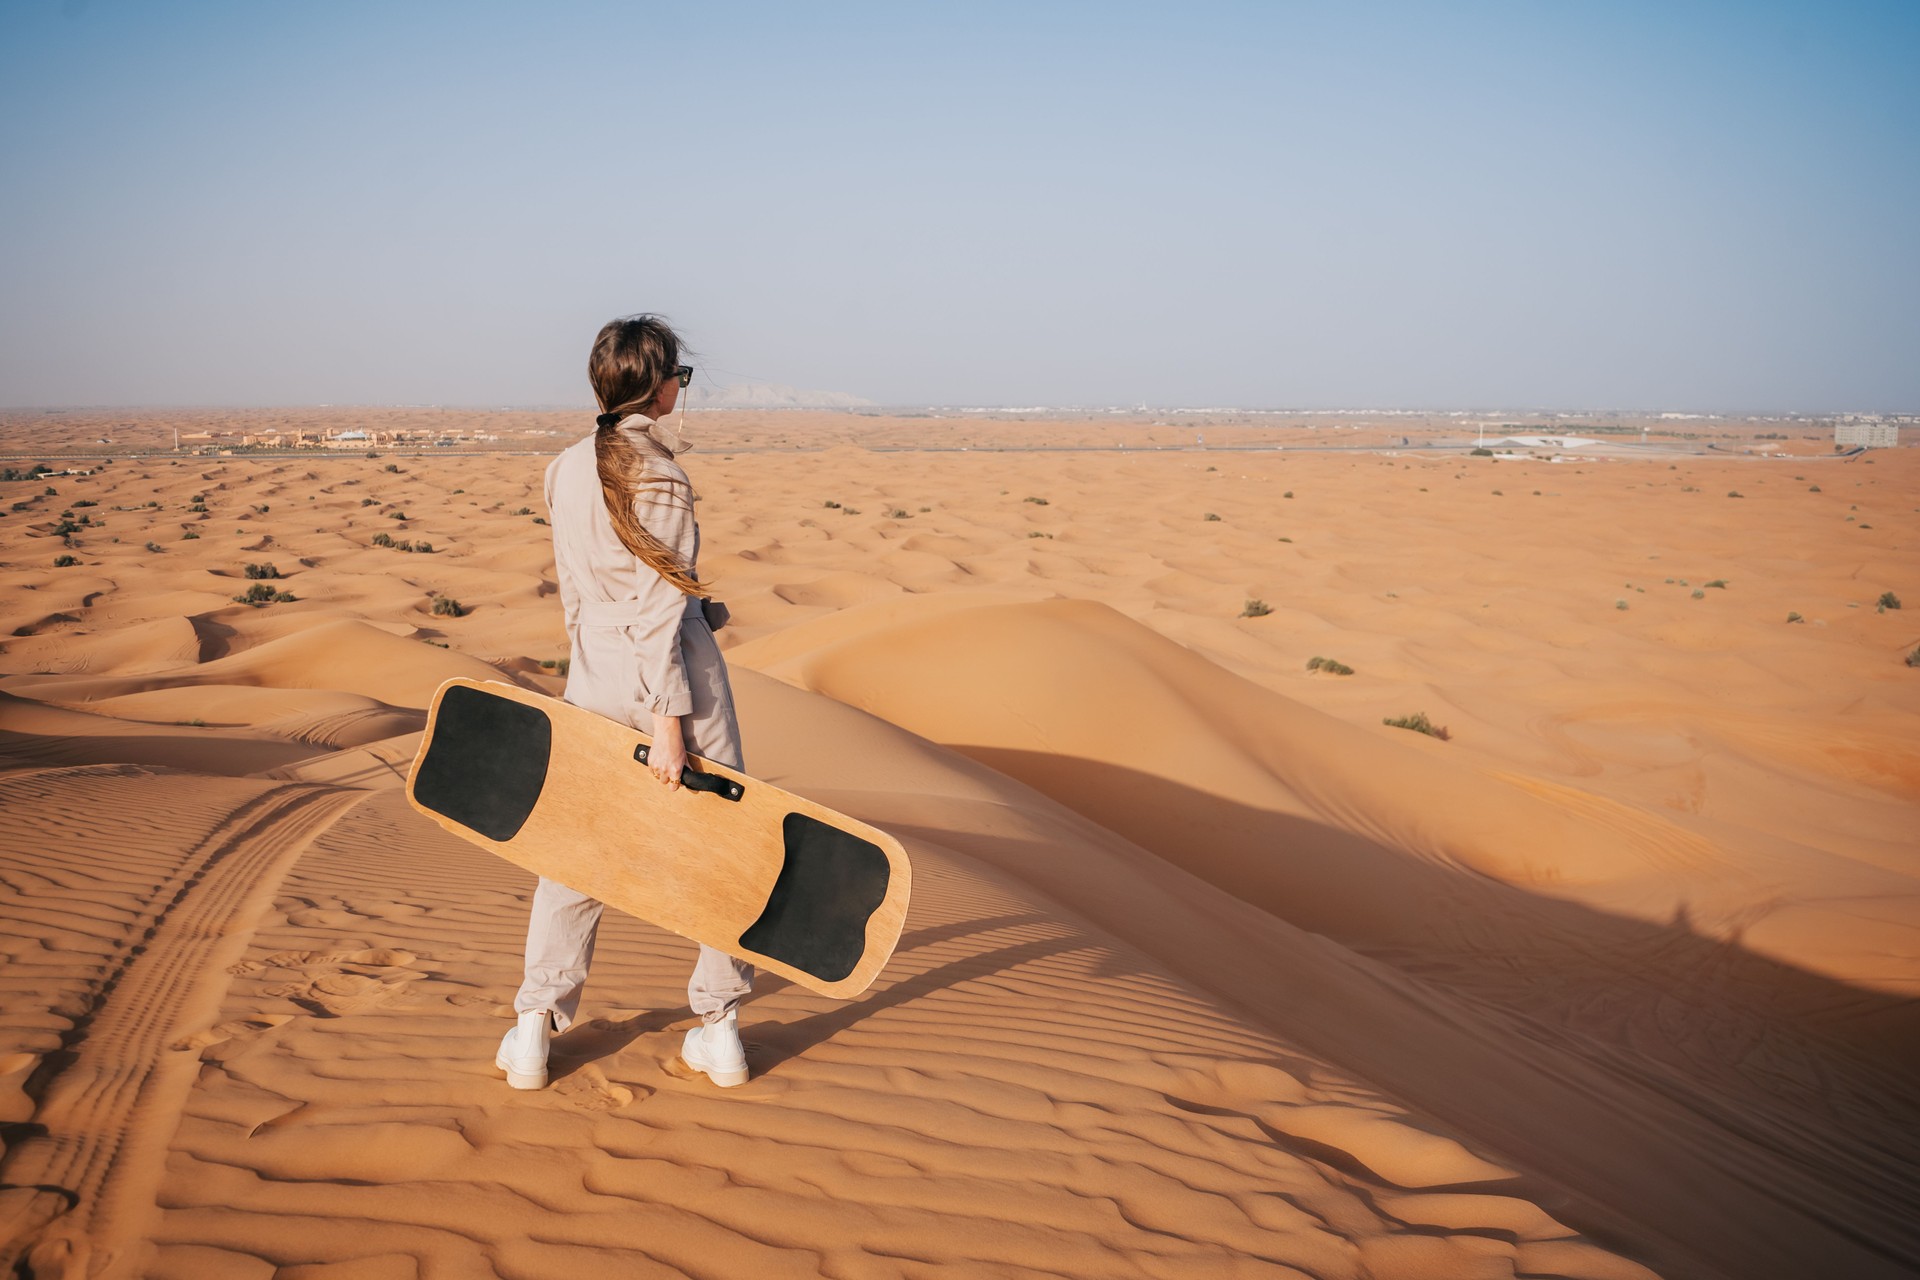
(1498, 494)
(559, 666)
(399, 515)
(153, 546)
(1211, 516)
(1888, 600)
(1813, 488)
(1913, 659)
(1419, 723)
(899, 513)
(1286, 539)
(925, 510)
(1795, 617)
(1619, 604)
(256, 595)
(1036, 533)
(61, 562)
(831, 504)
(524, 511)
(1735, 493)
(1698, 594)
(852, 511)
(1481, 453)
(1329, 666)
(51, 492)
(1718, 582)
(1287, 494)
(189, 536)
(1256, 609)
(393, 467)
(64, 528)
(382, 539)
(424, 548)
(539, 519)
(448, 607)
(1038, 502)
(366, 502)
(258, 571)
(85, 502)
(284, 597)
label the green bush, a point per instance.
(1718, 582)
(1329, 666)
(448, 607)
(1419, 723)
(259, 571)
(559, 666)
(382, 539)
(1481, 453)
(189, 536)
(61, 562)
(256, 595)
(1888, 600)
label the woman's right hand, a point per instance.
(667, 757)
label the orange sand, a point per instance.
(1208, 972)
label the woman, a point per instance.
(640, 625)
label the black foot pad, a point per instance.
(816, 916)
(487, 763)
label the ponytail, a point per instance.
(632, 359)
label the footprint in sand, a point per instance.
(589, 1090)
(341, 982)
(237, 1028)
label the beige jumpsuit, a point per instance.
(639, 646)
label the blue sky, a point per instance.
(1676, 206)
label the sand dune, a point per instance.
(1208, 972)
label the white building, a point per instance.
(1871, 433)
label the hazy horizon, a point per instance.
(1369, 207)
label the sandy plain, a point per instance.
(1209, 971)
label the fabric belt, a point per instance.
(620, 613)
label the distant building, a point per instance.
(1870, 433)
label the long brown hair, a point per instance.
(632, 359)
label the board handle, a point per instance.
(693, 780)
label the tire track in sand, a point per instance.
(77, 1194)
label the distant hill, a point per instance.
(769, 395)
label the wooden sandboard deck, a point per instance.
(753, 870)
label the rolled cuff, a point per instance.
(677, 702)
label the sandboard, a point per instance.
(727, 860)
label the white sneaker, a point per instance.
(523, 1050)
(714, 1047)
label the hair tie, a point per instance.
(607, 420)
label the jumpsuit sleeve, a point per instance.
(665, 507)
(569, 593)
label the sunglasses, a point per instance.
(684, 372)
